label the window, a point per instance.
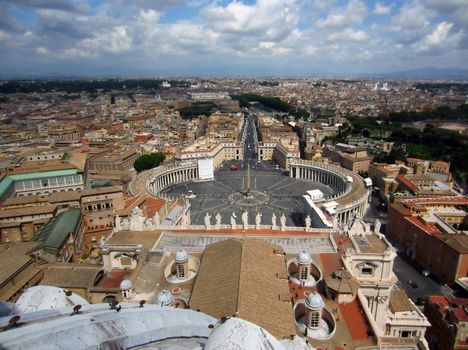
(304, 273)
(314, 319)
(405, 334)
(180, 271)
(367, 271)
(125, 261)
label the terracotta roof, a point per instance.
(25, 211)
(244, 277)
(101, 190)
(153, 205)
(147, 238)
(341, 281)
(14, 257)
(70, 275)
(57, 197)
(458, 242)
(399, 301)
(21, 200)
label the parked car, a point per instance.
(233, 167)
(425, 273)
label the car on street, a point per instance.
(413, 284)
(233, 167)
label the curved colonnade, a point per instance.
(171, 174)
(350, 192)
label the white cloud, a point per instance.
(348, 35)
(364, 54)
(4, 36)
(310, 50)
(42, 50)
(354, 12)
(266, 19)
(381, 9)
(411, 16)
(439, 38)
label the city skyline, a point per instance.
(227, 38)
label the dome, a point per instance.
(304, 258)
(314, 301)
(236, 333)
(126, 285)
(47, 298)
(164, 298)
(181, 256)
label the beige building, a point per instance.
(278, 142)
(20, 224)
(98, 206)
(120, 160)
(218, 150)
(350, 157)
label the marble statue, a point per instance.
(118, 223)
(335, 222)
(149, 226)
(258, 220)
(233, 220)
(125, 224)
(136, 220)
(283, 221)
(184, 220)
(218, 220)
(273, 222)
(377, 225)
(245, 219)
(207, 221)
(308, 221)
(156, 219)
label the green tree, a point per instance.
(148, 161)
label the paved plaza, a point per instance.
(271, 191)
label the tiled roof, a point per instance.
(244, 277)
(399, 301)
(13, 257)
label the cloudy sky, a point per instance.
(224, 37)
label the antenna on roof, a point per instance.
(76, 309)
(12, 322)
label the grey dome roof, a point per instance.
(126, 285)
(314, 301)
(164, 298)
(181, 256)
(304, 258)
